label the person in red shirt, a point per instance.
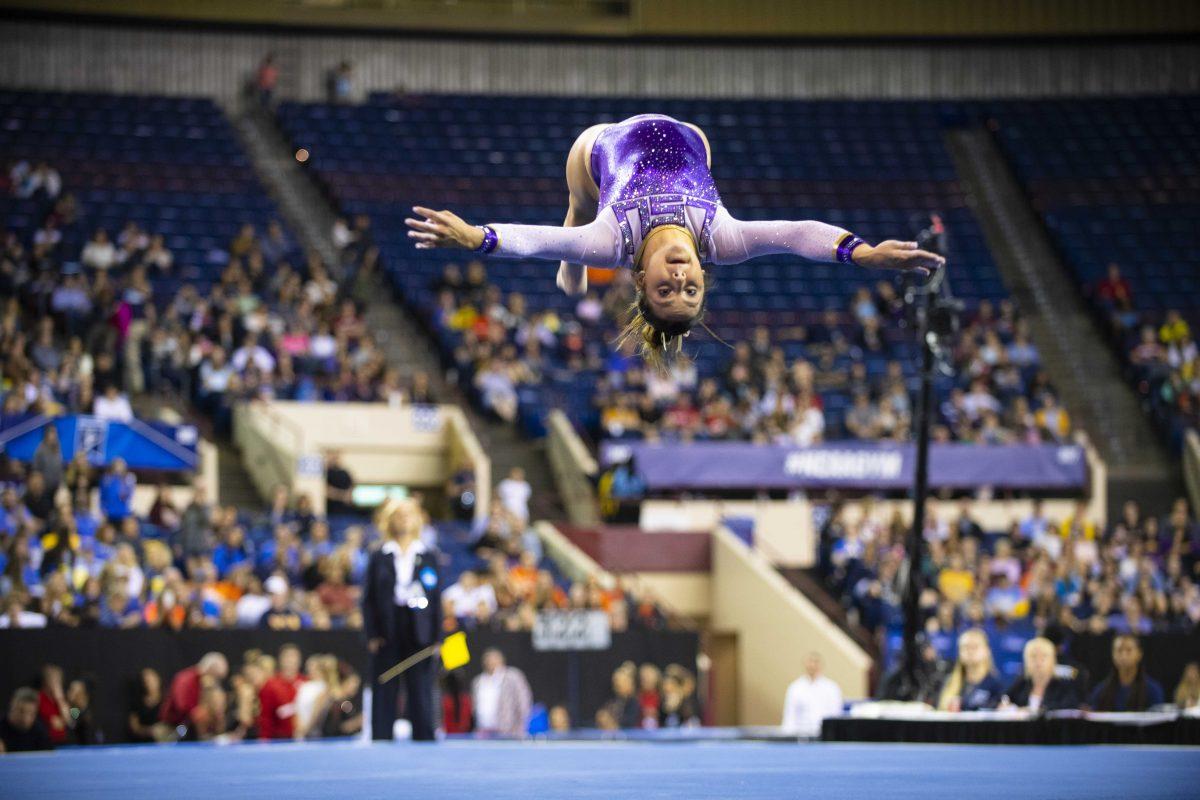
(649, 698)
(184, 694)
(277, 697)
(52, 704)
(1114, 290)
(456, 704)
(266, 79)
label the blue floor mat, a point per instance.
(530, 771)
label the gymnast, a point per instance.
(642, 196)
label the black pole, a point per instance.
(916, 537)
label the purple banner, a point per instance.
(850, 465)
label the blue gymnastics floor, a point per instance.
(530, 771)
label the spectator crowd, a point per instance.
(94, 318)
(1163, 359)
(286, 696)
(849, 357)
(1139, 575)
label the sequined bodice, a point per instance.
(652, 170)
(647, 155)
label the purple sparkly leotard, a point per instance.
(647, 155)
(652, 170)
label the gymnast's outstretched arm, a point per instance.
(598, 243)
(572, 278)
(735, 241)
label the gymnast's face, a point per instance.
(671, 278)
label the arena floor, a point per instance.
(512, 771)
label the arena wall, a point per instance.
(776, 628)
(286, 442)
(195, 61)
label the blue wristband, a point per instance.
(490, 240)
(845, 249)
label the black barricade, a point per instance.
(112, 659)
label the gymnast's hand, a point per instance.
(443, 229)
(894, 254)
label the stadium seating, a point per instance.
(1117, 180)
(171, 164)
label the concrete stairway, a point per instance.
(1077, 357)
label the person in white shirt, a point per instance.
(810, 699)
(501, 697)
(99, 253)
(113, 405)
(252, 351)
(468, 593)
(514, 494)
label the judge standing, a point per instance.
(402, 609)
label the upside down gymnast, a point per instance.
(642, 196)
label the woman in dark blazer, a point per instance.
(1038, 689)
(402, 614)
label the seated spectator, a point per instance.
(973, 683)
(53, 709)
(678, 707)
(1149, 353)
(468, 595)
(232, 552)
(955, 581)
(143, 724)
(1113, 290)
(210, 718)
(184, 694)
(251, 353)
(810, 699)
(624, 704)
(560, 720)
(649, 698)
(339, 486)
(277, 698)
(497, 390)
(116, 491)
(1174, 328)
(501, 697)
(1127, 687)
(315, 694)
(99, 253)
(113, 405)
(1039, 689)
(85, 728)
(456, 703)
(21, 731)
(38, 498)
(345, 714)
(1053, 419)
(514, 492)
(862, 420)
(1187, 693)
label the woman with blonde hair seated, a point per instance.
(1039, 689)
(973, 683)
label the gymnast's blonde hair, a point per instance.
(659, 341)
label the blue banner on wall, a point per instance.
(143, 445)
(882, 466)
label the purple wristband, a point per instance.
(845, 250)
(490, 240)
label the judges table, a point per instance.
(1064, 727)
